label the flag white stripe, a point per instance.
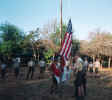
(68, 55)
(68, 50)
(67, 45)
(64, 44)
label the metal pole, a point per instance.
(60, 86)
(61, 22)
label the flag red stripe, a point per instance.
(63, 42)
(68, 49)
(69, 53)
(68, 37)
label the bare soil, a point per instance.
(98, 88)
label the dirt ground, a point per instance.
(99, 88)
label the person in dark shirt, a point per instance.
(79, 86)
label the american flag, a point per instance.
(67, 43)
(65, 52)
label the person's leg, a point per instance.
(84, 85)
(29, 71)
(17, 72)
(32, 70)
(78, 98)
(96, 71)
(43, 69)
(52, 86)
(40, 72)
(3, 73)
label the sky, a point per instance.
(86, 15)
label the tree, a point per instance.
(75, 46)
(56, 36)
(30, 42)
(11, 38)
(100, 45)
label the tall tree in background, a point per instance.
(31, 42)
(11, 38)
(56, 36)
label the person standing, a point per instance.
(80, 81)
(66, 73)
(78, 62)
(16, 68)
(56, 73)
(79, 87)
(90, 66)
(42, 68)
(31, 65)
(3, 69)
(85, 66)
(97, 66)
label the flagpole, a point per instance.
(61, 22)
(61, 45)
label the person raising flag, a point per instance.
(64, 54)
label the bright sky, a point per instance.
(86, 15)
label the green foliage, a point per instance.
(75, 46)
(56, 39)
(11, 38)
(48, 55)
(29, 43)
(56, 36)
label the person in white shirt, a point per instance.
(97, 65)
(31, 68)
(90, 67)
(42, 68)
(78, 63)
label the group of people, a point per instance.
(80, 67)
(94, 67)
(31, 68)
(15, 66)
(4, 65)
(61, 72)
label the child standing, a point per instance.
(79, 87)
